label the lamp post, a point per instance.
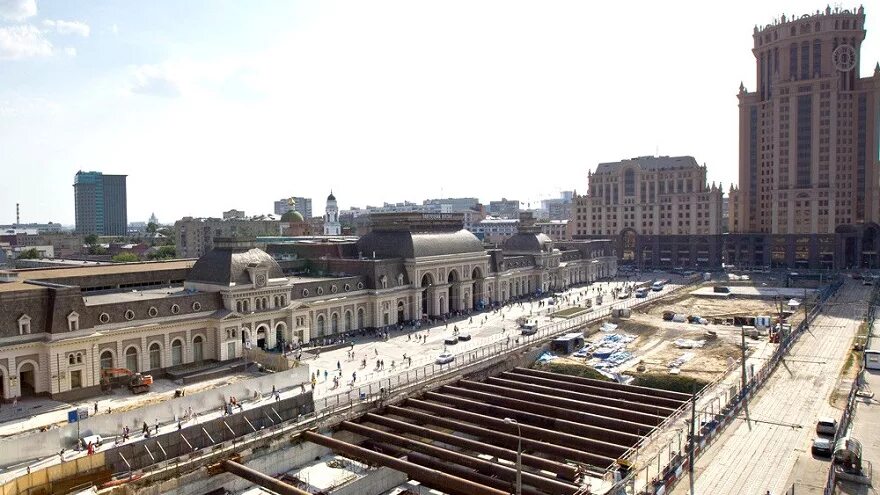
(518, 454)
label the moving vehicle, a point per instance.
(658, 285)
(450, 340)
(822, 446)
(95, 440)
(464, 337)
(624, 295)
(445, 357)
(530, 328)
(138, 383)
(826, 426)
(642, 292)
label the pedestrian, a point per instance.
(179, 425)
(273, 389)
(325, 375)
(96, 407)
(145, 429)
(157, 426)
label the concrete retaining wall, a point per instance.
(42, 444)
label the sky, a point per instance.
(209, 105)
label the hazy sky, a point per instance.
(211, 105)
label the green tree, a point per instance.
(29, 254)
(91, 239)
(125, 258)
(164, 253)
(152, 228)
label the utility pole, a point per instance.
(693, 439)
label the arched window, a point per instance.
(360, 318)
(106, 359)
(348, 321)
(320, 324)
(131, 359)
(176, 352)
(71, 359)
(334, 323)
(155, 356)
(198, 351)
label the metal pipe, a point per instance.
(481, 391)
(549, 431)
(600, 383)
(589, 389)
(566, 471)
(416, 472)
(558, 451)
(261, 479)
(472, 462)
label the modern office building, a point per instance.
(809, 175)
(100, 203)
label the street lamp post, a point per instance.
(518, 454)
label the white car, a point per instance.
(445, 358)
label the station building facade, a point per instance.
(62, 326)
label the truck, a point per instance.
(138, 383)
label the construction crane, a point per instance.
(138, 383)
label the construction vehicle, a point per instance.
(138, 383)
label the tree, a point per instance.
(125, 258)
(152, 228)
(163, 253)
(29, 254)
(91, 239)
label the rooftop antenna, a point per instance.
(657, 150)
(17, 218)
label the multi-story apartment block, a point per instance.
(557, 230)
(506, 208)
(302, 205)
(809, 175)
(493, 230)
(195, 236)
(100, 203)
(660, 209)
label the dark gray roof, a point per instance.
(389, 244)
(524, 242)
(651, 163)
(228, 266)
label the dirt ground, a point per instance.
(654, 347)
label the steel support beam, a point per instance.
(416, 472)
(610, 385)
(261, 479)
(506, 439)
(565, 471)
(548, 431)
(488, 391)
(489, 404)
(561, 390)
(504, 472)
(462, 472)
(593, 390)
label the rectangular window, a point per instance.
(804, 140)
(792, 61)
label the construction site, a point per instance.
(510, 423)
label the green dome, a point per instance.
(292, 216)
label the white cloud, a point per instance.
(156, 81)
(17, 10)
(23, 41)
(114, 29)
(67, 27)
(70, 51)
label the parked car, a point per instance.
(822, 446)
(826, 426)
(445, 357)
(450, 340)
(95, 440)
(464, 337)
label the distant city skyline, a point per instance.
(207, 108)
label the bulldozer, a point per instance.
(138, 383)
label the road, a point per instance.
(752, 457)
